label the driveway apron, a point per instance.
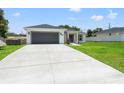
(55, 64)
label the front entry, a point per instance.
(71, 38)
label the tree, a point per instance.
(75, 28)
(3, 24)
(96, 30)
(93, 32)
(70, 27)
(89, 33)
(65, 26)
(11, 34)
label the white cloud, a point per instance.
(75, 10)
(72, 18)
(97, 17)
(112, 15)
(17, 14)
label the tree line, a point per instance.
(3, 24)
(92, 33)
(70, 27)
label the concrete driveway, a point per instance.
(55, 64)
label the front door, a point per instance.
(71, 38)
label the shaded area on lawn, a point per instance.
(5, 51)
(110, 53)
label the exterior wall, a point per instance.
(83, 38)
(28, 37)
(61, 37)
(29, 30)
(106, 37)
(76, 38)
(75, 33)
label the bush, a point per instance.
(1, 47)
(68, 41)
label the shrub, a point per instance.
(1, 47)
(68, 41)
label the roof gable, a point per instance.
(113, 30)
(44, 26)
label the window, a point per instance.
(80, 38)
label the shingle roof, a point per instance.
(44, 26)
(112, 30)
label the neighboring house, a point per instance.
(2, 43)
(48, 34)
(112, 34)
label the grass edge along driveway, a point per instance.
(5, 51)
(110, 53)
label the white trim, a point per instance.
(60, 31)
(44, 29)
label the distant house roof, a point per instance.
(70, 30)
(113, 30)
(44, 26)
(80, 32)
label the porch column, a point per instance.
(67, 35)
(84, 37)
(77, 38)
(28, 36)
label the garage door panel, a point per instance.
(45, 38)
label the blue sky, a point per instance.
(85, 18)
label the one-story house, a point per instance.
(49, 34)
(111, 34)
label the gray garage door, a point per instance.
(45, 38)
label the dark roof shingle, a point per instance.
(112, 30)
(44, 26)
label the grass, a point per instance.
(110, 53)
(5, 51)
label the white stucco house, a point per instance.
(112, 34)
(49, 34)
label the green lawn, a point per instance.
(111, 53)
(5, 51)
